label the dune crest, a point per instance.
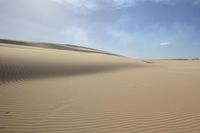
(49, 60)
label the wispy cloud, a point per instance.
(94, 5)
(79, 4)
(164, 43)
(76, 35)
(135, 2)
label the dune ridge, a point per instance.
(36, 68)
(55, 46)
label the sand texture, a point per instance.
(46, 88)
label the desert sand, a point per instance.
(54, 88)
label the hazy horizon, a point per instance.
(134, 28)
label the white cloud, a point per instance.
(95, 5)
(164, 43)
(79, 4)
(76, 35)
(123, 2)
(58, 1)
(120, 36)
(130, 3)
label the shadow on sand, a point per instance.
(15, 72)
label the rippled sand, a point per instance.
(53, 90)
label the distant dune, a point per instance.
(56, 88)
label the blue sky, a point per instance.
(135, 28)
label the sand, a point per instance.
(52, 90)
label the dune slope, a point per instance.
(60, 90)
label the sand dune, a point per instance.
(70, 89)
(53, 46)
(54, 62)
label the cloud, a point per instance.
(58, 1)
(95, 5)
(135, 2)
(79, 4)
(164, 43)
(76, 35)
(123, 3)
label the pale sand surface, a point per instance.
(53, 91)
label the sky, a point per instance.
(134, 28)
